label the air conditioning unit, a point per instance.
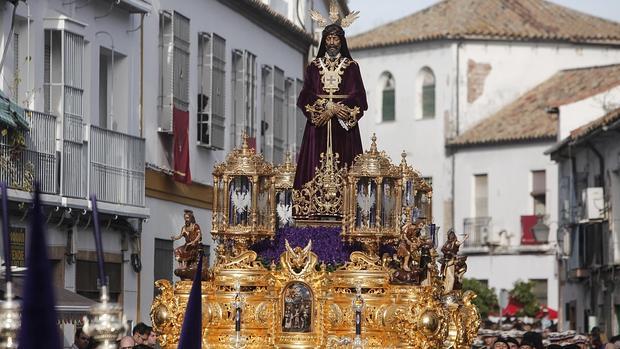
(489, 237)
(593, 203)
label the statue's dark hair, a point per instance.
(336, 30)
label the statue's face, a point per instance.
(332, 44)
(188, 218)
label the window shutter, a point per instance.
(218, 96)
(180, 78)
(74, 156)
(278, 116)
(481, 187)
(289, 116)
(238, 97)
(539, 183)
(250, 95)
(268, 112)
(174, 66)
(389, 104)
(204, 101)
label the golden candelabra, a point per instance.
(10, 319)
(397, 300)
(106, 322)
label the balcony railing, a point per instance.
(116, 167)
(478, 229)
(26, 156)
(111, 165)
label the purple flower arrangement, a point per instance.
(326, 244)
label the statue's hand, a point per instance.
(325, 117)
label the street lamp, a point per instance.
(541, 231)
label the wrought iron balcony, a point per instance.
(478, 229)
(26, 156)
(110, 165)
(116, 167)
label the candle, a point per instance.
(238, 319)
(98, 245)
(5, 233)
(432, 229)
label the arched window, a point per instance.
(426, 93)
(388, 97)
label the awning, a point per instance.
(71, 307)
(11, 114)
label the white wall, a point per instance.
(422, 139)
(117, 23)
(240, 33)
(516, 67)
(575, 115)
(509, 185)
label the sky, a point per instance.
(376, 12)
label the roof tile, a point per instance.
(527, 119)
(492, 19)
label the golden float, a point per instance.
(400, 299)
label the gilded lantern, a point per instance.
(373, 199)
(244, 198)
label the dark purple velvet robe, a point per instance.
(347, 144)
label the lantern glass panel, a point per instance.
(263, 201)
(240, 201)
(366, 203)
(220, 201)
(408, 193)
(388, 204)
(284, 208)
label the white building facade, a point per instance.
(432, 82)
(75, 67)
(101, 81)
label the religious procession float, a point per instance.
(280, 281)
(338, 251)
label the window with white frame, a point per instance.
(244, 96)
(174, 45)
(481, 195)
(388, 97)
(211, 83)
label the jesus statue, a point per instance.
(333, 99)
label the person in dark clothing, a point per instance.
(535, 338)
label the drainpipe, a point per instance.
(141, 121)
(457, 112)
(141, 76)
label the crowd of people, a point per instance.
(489, 339)
(143, 337)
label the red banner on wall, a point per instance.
(180, 129)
